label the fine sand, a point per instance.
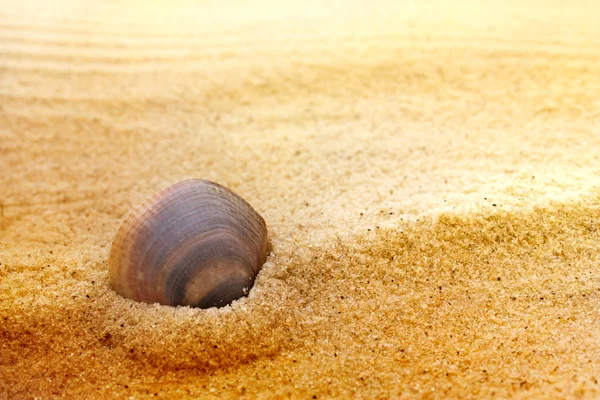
(429, 173)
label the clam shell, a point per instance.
(195, 243)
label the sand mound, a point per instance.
(491, 302)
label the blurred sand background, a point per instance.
(429, 173)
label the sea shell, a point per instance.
(194, 243)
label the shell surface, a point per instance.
(194, 243)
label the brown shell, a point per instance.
(195, 243)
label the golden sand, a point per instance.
(429, 173)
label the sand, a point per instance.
(429, 174)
